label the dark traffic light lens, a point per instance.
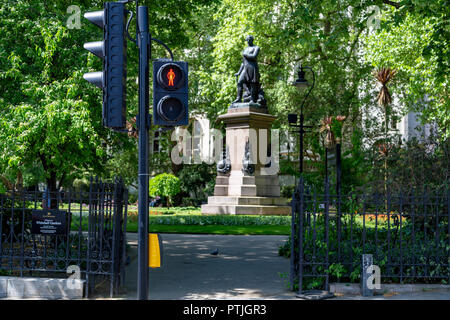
(170, 109)
(170, 76)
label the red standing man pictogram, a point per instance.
(171, 77)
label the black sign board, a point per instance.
(49, 222)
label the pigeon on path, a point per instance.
(215, 252)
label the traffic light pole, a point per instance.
(144, 124)
(112, 80)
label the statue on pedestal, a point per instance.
(248, 86)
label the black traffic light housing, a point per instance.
(170, 93)
(113, 51)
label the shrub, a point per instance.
(388, 247)
(82, 184)
(224, 220)
(164, 185)
(197, 182)
(287, 191)
(132, 198)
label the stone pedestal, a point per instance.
(238, 191)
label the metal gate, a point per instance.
(407, 234)
(94, 244)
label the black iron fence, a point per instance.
(53, 233)
(407, 234)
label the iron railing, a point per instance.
(407, 234)
(95, 240)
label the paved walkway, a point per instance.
(427, 295)
(247, 267)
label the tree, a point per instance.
(413, 40)
(197, 179)
(164, 185)
(384, 75)
(325, 35)
(51, 117)
(50, 125)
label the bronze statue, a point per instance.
(248, 76)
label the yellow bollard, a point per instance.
(154, 250)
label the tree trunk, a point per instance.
(52, 191)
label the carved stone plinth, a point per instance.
(252, 185)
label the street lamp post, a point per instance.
(300, 83)
(296, 224)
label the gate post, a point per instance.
(366, 262)
(296, 273)
(293, 260)
(327, 230)
(300, 235)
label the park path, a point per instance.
(247, 267)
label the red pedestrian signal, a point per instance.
(170, 93)
(171, 76)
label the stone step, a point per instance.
(266, 180)
(241, 180)
(268, 191)
(221, 190)
(267, 201)
(242, 190)
(245, 209)
(222, 180)
(247, 190)
(41, 288)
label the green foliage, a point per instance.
(164, 185)
(336, 127)
(124, 164)
(416, 45)
(51, 126)
(333, 38)
(354, 163)
(288, 168)
(226, 220)
(132, 198)
(51, 130)
(336, 270)
(289, 32)
(287, 191)
(198, 179)
(5, 273)
(81, 184)
(383, 241)
(50, 115)
(416, 165)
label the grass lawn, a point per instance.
(171, 210)
(207, 229)
(217, 229)
(190, 220)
